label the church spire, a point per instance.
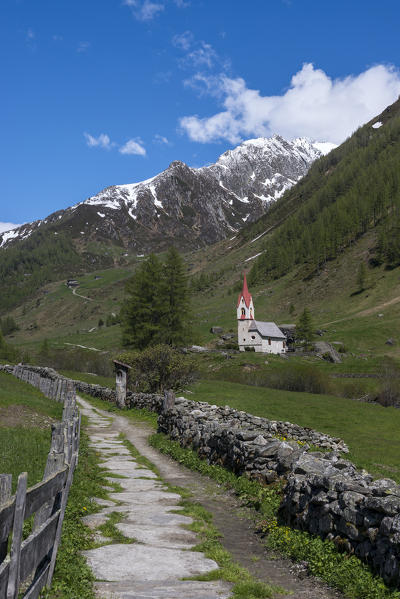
(245, 307)
(245, 294)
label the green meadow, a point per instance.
(25, 428)
(370, 431)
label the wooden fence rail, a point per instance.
(29, 565)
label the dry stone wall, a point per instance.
(324, 495)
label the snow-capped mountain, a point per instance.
(182, 205)
(265, 168)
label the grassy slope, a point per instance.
(25, 447)
(64, 318)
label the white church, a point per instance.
(265, 337)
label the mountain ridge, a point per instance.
(200, 205)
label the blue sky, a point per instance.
(103, 92)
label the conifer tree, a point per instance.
(157, 307)
(143, 311)
(304, 329)
(177, 299)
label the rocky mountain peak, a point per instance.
(189, 207)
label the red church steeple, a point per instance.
(245, 294)
(245, 307)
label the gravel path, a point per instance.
(161, 529)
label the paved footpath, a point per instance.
(154, 565)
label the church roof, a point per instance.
(266, 329)
(245, 293)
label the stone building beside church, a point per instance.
(265, 337)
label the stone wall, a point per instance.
(324, 495)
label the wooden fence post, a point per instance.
(168, 401)
(55, 462)
(61, 519)
(15, 555)
(5, 494)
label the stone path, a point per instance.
(153, 566)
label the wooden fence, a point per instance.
(56, 389)
(27, 564)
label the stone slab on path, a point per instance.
(146, 563)
(185, 589)
(159, 536)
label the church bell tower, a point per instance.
(245, 314)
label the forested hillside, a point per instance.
(35, 261)
(353, 189)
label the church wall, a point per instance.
(245, 337)
(276, 346)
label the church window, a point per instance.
(243, 312)
(269, 341)
(284, 344)
(253, 336)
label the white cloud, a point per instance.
(183, 40)
(133, 146)
(162, 77)
(314, 106)
(83, 46)
(203, 56)
(102, 141)
(7, 227)
(198, 53)
(144, 10)
(161, 139)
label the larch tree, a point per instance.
(304, 329)
(156, 309)
(144, 309)
(177, 299)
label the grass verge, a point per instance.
(347, 573)
(73, 577)
(245, 586)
